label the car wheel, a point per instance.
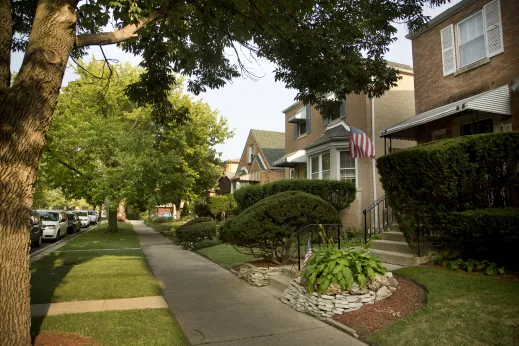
(38, 242)
(58, 236)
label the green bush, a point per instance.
(195, 221)
(202, 209)
(339, 194)
(269, 225)
(185, 210)
(197, 232)
(161, 219)
(455, 262)
(491, 233)
(341, 266)
(248, 195)
(426, 183)
(221, 205)
(201, 244)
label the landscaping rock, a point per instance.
(392, 282)
(378, 282)
(257, 276)
(355, 289)
(383, 293)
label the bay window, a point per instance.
(320, 166)
(347, 167)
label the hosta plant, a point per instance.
(341, 266)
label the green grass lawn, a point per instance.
(99, 238)
(131, 327)
(225, 255)
(98, 274)
(462, 309)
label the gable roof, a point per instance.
(271, 144)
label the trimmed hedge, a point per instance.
(491, 234)
(340, 194)
(426, 183)
(269, 225)
(196, 232)
(221, 205)
(195, 221)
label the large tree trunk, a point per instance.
(26, 110)
(112, 220)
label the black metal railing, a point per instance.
(313, 234)
(377, 217)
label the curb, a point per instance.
(342, 327)
(34, 256)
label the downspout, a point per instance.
(373, 140)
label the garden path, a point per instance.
(213, 306)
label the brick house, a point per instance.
(466, 73)
(224, 184)
(261, 149)
(318, 148)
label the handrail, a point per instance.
(376, 224)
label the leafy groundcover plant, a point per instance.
(454, 262)
(341, 266)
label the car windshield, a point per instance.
(71, 216)
(91, 213)
(82, 213)
(49, 216)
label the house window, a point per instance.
(440, 134)
(347, 167)
(301, 128)
(320, 166)
(475, 127)
(471, 40)
(314, 167)
(292, 173)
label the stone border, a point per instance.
(257, 276)
(325, 306)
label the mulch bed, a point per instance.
(63, 339)
(408, 298)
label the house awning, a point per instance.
(496, 101)
(299, 117)
(292, 159)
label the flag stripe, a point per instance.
(360, 144)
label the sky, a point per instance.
(253, 104)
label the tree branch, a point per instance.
(6, 38)
(126, 33)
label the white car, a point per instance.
(92, 214)
(54, 223)
(83, 217)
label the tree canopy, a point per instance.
(103, 146)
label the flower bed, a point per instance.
(336, 301)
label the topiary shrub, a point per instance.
(248, 195)
(269, 225)
(195, 221)
(185, 210)
(340, 194)
(202, 209)
(196, 232)
(425, 184)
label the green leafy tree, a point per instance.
(319, 47)
(103, 147)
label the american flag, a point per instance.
(360, 145)
(308, 251)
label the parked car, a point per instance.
(74, 224)
(92, 214)
(36, 229)
(54, 223)
(83, 217)
(166, 214)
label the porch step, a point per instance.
(394, 227)
(403, 259)
(393, 236)
(391, 245)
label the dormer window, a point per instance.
(250, 153)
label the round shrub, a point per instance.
(195, 220)
(202, 209)
(197, 232)
(161, 219)
(340, 194)
(270, 225)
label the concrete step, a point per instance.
(394, 227)
(280, 282)
(403, 259)
(393, 236)
(391, 245)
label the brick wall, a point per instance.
(433, 90)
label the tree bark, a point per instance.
(26, 110)
(112, 220)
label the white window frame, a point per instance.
(320, 165)
(299, 134)
(339, 151)
(458, 55)
(292, 173)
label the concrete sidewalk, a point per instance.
(213, 306)
(155, 302)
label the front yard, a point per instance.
(462, 309)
